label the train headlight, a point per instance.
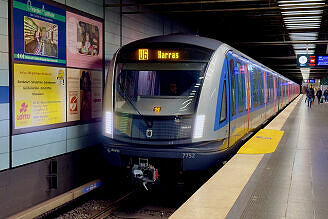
(199, 126)
(109, 123)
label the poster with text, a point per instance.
(40, 95)
(84, 95)
(84, 42)
(39, 32)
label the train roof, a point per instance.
(195, 40)
(182, 38)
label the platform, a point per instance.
(291, 182)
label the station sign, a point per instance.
(312, 61)
(309, 81)
(306, 61)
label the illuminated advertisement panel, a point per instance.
(39, 32)
(39, 95)
(84, 42)
(84, 95)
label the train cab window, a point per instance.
(233, 87)
(260, 81)
(223, 115)
(240, 87)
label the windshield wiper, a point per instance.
(128, 99)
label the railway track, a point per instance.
(161, 202)
(112, 207)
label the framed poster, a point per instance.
(84, 42)
(39, 32)
(39, 95)
(84, 95)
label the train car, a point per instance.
(185, 101)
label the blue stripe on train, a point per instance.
(4, 94)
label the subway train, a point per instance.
(184, 102)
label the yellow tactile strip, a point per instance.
(217, 196)
(263, 142)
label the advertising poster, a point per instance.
(39, 32)
(84, 95)
(40, 95)
(84, 42)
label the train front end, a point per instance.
(151, 99)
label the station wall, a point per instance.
(39, 145)
(4, 86)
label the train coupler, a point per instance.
(144, 173)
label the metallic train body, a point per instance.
(229, 95)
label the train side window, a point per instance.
(233, 87)
(240, 88)
(278, 87)
(255, 87)
(269, 87)
(223, 115)
(260, 81)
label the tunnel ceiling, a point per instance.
(255, 27)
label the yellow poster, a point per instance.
(40, 95)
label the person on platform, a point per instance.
(325, 94)
(310, 96)
(319, 94)
(306, 94)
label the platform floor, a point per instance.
(291, 182)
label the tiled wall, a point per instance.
(4, 86)
(40, 145)
(134, 26)
(31, 147)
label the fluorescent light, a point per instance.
(304, 51)
(199, 126)
(294, 28)
(302, 19)
(302, 26)
(306, 24)
(303, 46)
(302, 12)
(302, 7)
(302, 4)
(310, 17)
(300, 1)
(109, 123)
(306, 34)
(303, 22)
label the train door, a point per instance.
(233, 129)
(265, 95)
(275, 93)
(278, 92)
(222, 118)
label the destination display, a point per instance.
(165, 54)
(39, 32)
(143, 54)
(40, 95)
